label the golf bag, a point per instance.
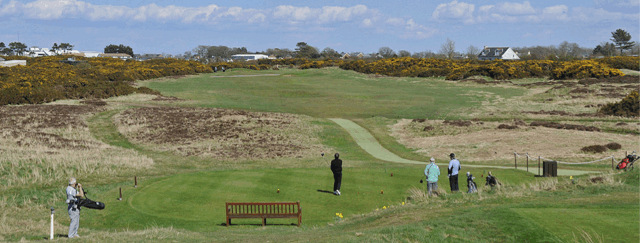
(471, 185)
(88, 203)
(627, 162)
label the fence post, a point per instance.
(612, 163)
(538, 165)
(527, 162)
(515, 159)
(120, 198)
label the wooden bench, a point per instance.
(264, 210)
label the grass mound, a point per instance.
(628, 107)
(594, 149)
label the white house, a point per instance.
(493, 53)
(123, 56)
(91, 53)
(249, 57)
(12, 63)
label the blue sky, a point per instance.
(172, 26)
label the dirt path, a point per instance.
(369, 143)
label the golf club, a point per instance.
(325, 160)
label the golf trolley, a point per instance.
(471, 185)
(627, 163)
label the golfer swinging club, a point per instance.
(336, 168)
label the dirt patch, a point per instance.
(564, 126)
(419, 120)
(220, 133)
(166, 98)
(621, 124)
(505, 126)
(31, 125)
(598, 179)
(613, 146)
(519, 122)
(557, 84)
(612, 80)
(457, 123)
(482, 81)
(594, 149)
(580, 90)
(428, 128)
(560, 113)
(94, 102)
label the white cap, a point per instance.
(72, 181)
(432, 159)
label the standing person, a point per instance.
(432, 171)
(454, 168)
(74, 191)
(336, 168)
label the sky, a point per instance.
(174, 26)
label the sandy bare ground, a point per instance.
(487, 143)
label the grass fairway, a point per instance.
(330, 93)
(195, 201)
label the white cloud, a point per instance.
(296, 14)
(332, 14)
(597, 15)
(395, 21)
(367, 23)
(454, 10)
(558, 12)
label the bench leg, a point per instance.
(228, 221)
(264, 221)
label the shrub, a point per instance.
(613, 146)
(594, 149)
(627, 107)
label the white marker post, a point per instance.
(52, 212)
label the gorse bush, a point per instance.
(498, 69)
(629, 106)
(46, 79)
(632, 63)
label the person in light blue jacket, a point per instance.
(432, 172)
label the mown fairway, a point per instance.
(195, 201)
(329, 93)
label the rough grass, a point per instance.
(44, 145)
(221, 134)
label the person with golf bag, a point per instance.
(336, 168)
(74, 192)
(471, 185)
(432, 171)
(454, 168)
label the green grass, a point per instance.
(195, 201)
(330, 93)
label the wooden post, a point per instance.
(120, 194)
(538, 165)
(515, 159)
(135, 178)
(527, 162)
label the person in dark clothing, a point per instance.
(336, 168)
(453, 169)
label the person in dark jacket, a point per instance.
(492, 180)
(336, 168)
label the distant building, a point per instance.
(148, 57)
(493, 53)
(248, 57)
(12, 63)
(91, 53)
(123, 56)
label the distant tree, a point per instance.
(187, 55)
(423, 54)
(118, 49)
(448, 49)
(66, 47)
(329, 52)
(472, 52)
(386, 52)
(404, 53)
(605, 49)
(55, 48)
(18, 48)
(622, 38)
(303, 50)
(3, 48)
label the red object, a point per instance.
(391, 174)
(381, 192)
(623, 164)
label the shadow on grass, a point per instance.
(225, 224)
(325, 191)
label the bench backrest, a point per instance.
(273, 208)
